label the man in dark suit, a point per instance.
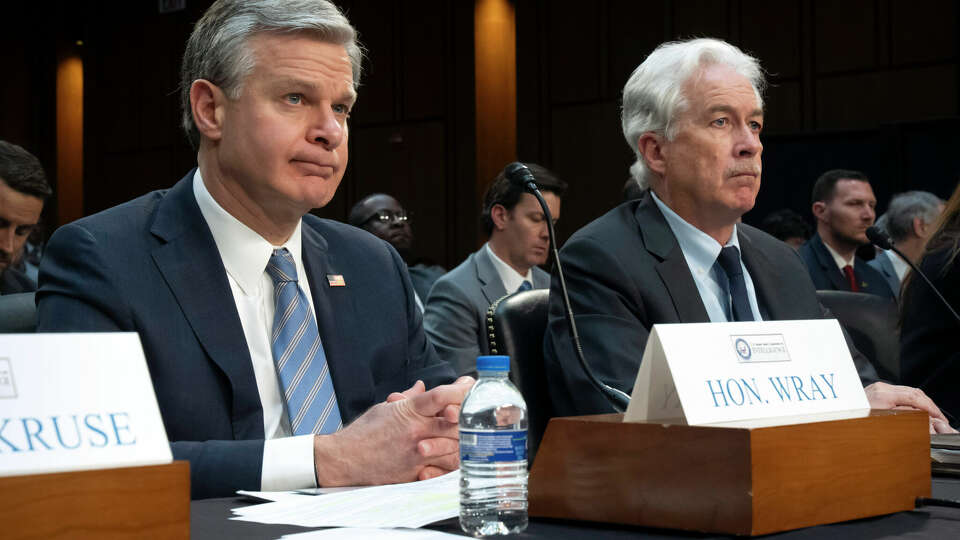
(23, 191)
(679, 254)
(456, 311)
(384, 217)
(259, 321)
(844, 207)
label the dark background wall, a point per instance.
(868, 84)
(863, 84)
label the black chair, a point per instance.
(873, 323)
(18, 313)
(515, 327)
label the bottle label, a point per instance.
(493, 446)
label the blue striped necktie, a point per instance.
(729, 261)
(298, 353)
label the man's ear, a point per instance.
(820, 210)
(650, 145)
(499, 214)
(207, 102)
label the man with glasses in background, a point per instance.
(384, 217)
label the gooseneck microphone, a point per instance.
(881, 240)
(518, 173)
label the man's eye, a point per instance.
(756, 126)
(341, 109)
(294, 99)
(720, 122)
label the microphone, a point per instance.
(518, 173)
(881, 240)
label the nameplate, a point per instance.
(708, 373)
(77, 401)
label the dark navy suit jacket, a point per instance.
(625, 272)
(151, 266)
(826, 276)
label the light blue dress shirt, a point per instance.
(701, 252)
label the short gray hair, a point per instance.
(218, 49)
(898, 220)
(653, 96)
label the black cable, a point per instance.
(932, 501)
(618, 399)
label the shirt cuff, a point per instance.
(288, 464)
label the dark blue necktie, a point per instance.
(298, 354)
(729, 261)
(525, 286)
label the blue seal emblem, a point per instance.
(743, 349)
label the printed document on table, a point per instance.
(412, 505)
(368, 533)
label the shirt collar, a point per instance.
(699, 249)
(899, 266)
(837, 258)
(511, 278)
(244, 252)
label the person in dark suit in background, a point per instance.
(384, 217)
(909, 221)
(23, 192)
(259, 321)
(679, 254)
(844, 207)
(929, 348)
(456, 311)
(787, 226)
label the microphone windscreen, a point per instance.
(878, 238)
(518, 173)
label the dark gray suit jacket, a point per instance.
(625, 272)
(881, 263)
(151, 266)
(827, 276)
(456, 311)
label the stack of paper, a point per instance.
(397, 505)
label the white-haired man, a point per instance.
(693, 113)
(265, 329)
(910, 220)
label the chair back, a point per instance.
(18, 313)
(516, 324)
(873, 324)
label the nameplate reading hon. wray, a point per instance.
(707, 373)
(77, 401)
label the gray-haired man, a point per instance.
(910, 220)
(259, 321)
(692, 113)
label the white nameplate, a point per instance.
(77, 401)
(707, 373)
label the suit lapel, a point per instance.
(334, 308)
(490, 282)
(774, 300)
(190, 263)
(673, 270)
(829, 266)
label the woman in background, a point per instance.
(930, 335)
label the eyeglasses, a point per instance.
(389, 216)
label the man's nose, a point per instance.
(326, 130)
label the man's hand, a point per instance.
(411, 436)
(887, 396)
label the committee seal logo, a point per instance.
(743, 349)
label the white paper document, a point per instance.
(411, 505)
(373, 534)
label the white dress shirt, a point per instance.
(511, 278)
(701, 251)
(841, 262)
(287, 461)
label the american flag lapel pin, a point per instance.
(336, 280)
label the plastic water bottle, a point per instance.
(493, 453)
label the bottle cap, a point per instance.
(493, 363)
